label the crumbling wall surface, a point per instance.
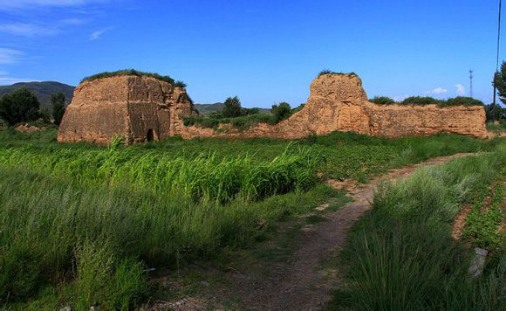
(133, 107)
(398, 120)
(158, 106)
(98, 111)
(338, 102)
(128, 106)
(335, 103)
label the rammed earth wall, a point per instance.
(339, 103)
(136, 108)
(145, 108)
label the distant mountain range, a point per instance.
(206, 109)
(42, 90)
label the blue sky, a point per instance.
(263, 51)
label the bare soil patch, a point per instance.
(460, 222)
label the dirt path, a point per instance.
(300, 283)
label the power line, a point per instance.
(498, 37)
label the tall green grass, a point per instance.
(204, 177)
(77, 241)
(401, 254)
(80, 224)
(345, 155)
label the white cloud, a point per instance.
(9, 56)
(437, 91)
(460, 89)
(28, 30)
(97, 34)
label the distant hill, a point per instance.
(42, 90)
(206, 109)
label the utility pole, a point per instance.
(471, 83)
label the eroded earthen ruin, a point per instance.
(338, 102)
(137, 107)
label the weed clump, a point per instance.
(330, 72)
(133, 72)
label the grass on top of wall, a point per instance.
(133, 72)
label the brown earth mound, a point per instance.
(338, 102)
(26, 128)
(144, 108)
(137, 108)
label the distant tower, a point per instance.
(471, 83)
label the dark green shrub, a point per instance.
(464, 101)
(19, 106)
(232, 107)
(245, 122)
(58, 103)
(419, 100)
(382, 100)
(202, 121)
(281, 112)
(249, 111)
(45, 115)
(495, 112)
(216, 115)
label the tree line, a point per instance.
(23, 106)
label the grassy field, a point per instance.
(83, 225)
(401, 255)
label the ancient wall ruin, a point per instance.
(138, 108)
(338, 102)
(145, 108)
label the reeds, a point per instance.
(204, 177)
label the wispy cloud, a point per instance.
(6, 79)
(28, 30)
(9, 56)
(437, 91)
(73, 21)
(460, 89)
(31, 4)
(97, 34)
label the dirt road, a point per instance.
(300, 283)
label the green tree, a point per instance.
(45, 115)
(19, 106)
(232, 107)
(58, 102)
(281, 111)
(500, 82)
